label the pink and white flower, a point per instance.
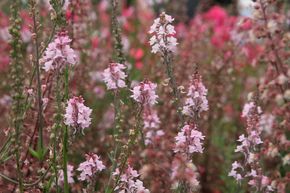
(59, 53)
(145, 93)
(196, 101)
(163, 34)
(77, 115)
(189, 140)
(90, 167)
(114, 76)
(129, 182)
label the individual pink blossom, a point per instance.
(77, 115)
(196, 101)
(163, 34)
(129, 182)
(70, 179)
(234, 173)
(145, 93)
(114, 76)
(59, 53)
(90, 167)
(189, 140)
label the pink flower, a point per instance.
(234, 173)
(129, 182)
(184, 170)
(189, 140)
(90, 167)
(151, 119)
(196, 101)
(216, 14)
(77, 114)
(59, 53)
(163, 34)
(114, 76)
(145, 93)
(70, 179)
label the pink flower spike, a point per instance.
(114, 76)
(90, 167)
(145, 93)
(59, 53)
(163, 34)
(77, 114)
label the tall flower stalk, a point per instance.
(40, 152)
(164, 42)
(17, 86)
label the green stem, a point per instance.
(65, 134)
(167, 61)
(37, 66)
(17, 85)
(57, 126)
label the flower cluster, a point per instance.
(129, 182)
(59, 53)
(114, 76)
(189, 140)
(145, 93)
(251, 169)
(196, 101)
(151, 125)
(77, 115)
(70, 179)
(185, 171)
(90, 167)
(163, 34)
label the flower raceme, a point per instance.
(189, 140)
(59, 53)
(129, 182)
(114, 76)
(250, 169)
(196, 101)
(77, 115)
(145, 93)
(90, 167)
(163, 34)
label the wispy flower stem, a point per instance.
(167, 61)
(65, 132)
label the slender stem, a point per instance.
(57, 126)
(115, 135)
(167, 61)
(132, 140)
(37, 66)
(17, 77)
(65, 134)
